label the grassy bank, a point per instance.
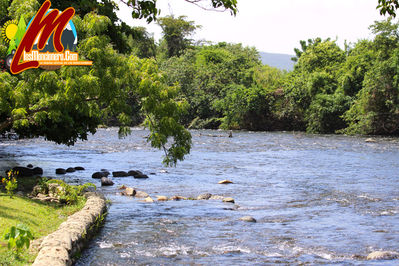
(42, 218)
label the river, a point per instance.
(317, 199)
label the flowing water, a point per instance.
(317, 199)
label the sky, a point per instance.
(274, 26)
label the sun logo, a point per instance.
(9, 30)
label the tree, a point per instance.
(388, 6)
(304, 47)
(311, 89)
(147, 9)
(375, 109)
(68, 104)
(176, 32)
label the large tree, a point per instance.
(68, 104)
(175, 33)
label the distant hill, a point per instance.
(281, 61)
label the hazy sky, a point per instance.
(274, 26)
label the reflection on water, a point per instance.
(317, 199)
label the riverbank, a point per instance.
(42, 218)
(64, 246)
(58, 215)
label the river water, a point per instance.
(317, 199)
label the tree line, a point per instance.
(331, 90)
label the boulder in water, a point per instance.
(162, 198)
(141, 176)
(225, 182)
(249, 219)
(205, 196)
(383, 255)
(60, 171)
(141, 194)
(37, 171)
(98, 175)
(134, 172)
(29, 166)
(105, 173)
(228, 200)
(105, 181)
(130, 192)
(79, 168)
(137, 174)
(119, 174)
(178, 198)
(216, 197)
(70, 170)
(149, 200)
(27, 172)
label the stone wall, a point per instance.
(63, 246)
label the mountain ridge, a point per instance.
(280, 61)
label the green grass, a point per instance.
(42, 218)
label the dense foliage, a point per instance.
(67, 104)
(331, 90)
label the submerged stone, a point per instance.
(119, 174)
(228, 200)
(225, 182)
(105, 181)
(205, 196)
(149, 200)
(249, 219)
(162, 198)
(383, 255)
(70, 170)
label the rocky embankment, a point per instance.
(63, 246)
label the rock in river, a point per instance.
(249, 219)
(142, 176)
(141, 194)
(229, 200)
(98, 175)
(216, 197)
(205, 196)
(178, 198)
(383, 255)
(79, 168)
(134, 173)
(130, 192)
(105, 181)
(70, 170)
(37, 171)
(225, 182)
(60, 171)
(137, 174)
(162, 198)
(149, 199)
(119, 174)
(25, 171)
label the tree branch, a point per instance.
(4, 125)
